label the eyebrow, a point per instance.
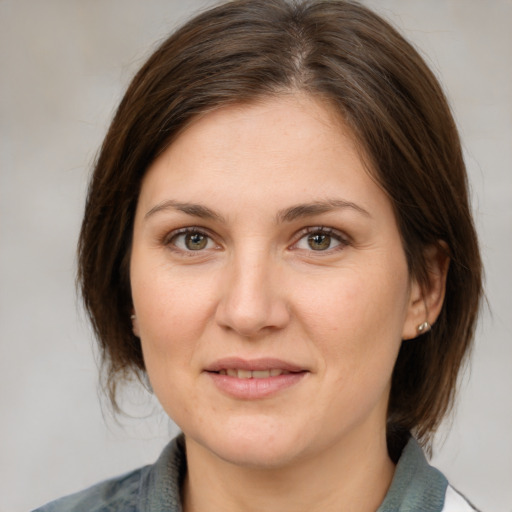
(287, 215)
(316, 208)
(195, 210)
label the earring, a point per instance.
(424, 327)
(133, 317)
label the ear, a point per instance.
(135, 324)
(426, 299)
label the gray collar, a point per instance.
(416, 485)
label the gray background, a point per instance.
(63, 67)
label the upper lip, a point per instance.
(265, 363)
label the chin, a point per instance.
(257, 455)
(253, 447)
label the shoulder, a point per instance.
(148, 489)
(119, 493)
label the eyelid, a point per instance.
(169, 237)
(341, 237)
(335, 233)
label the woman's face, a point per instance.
(270, 285)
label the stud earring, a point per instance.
(424, 327)
(133, 317)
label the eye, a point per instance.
(320, 239)
(191, 240)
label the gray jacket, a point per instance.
(416, 486)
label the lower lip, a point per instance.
(254, 389)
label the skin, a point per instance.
(336, 302)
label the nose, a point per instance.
(253, 297)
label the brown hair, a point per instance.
(342, 52)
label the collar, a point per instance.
(415, 486)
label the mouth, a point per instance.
(254, 379)
(261, 368)
(254, 374)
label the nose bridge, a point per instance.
(251, 298)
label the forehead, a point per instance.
(291, 145)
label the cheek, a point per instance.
(357, 335)
(356, 315)
(172, 312)
(172, 308)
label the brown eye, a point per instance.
(319, 241)
(192, 241)
(195, 241)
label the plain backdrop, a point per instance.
(63, 67)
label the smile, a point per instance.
(255, 374)
(254, 379)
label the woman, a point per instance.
(278, 236)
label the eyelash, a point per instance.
(170, 239)
(343, 241)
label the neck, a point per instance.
(352, 476)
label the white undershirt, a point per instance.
(454, 502)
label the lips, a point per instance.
(254, 379)
(253, 365)
(255, 374)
